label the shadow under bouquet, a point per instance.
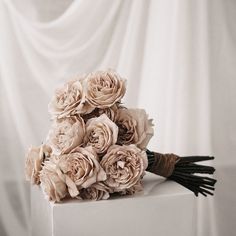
(97, 147)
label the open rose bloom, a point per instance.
(96, 146)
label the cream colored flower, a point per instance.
(81, 169)
(69, 100)
(52, 181)
(134, 127)
(66, 134)
(97, 191)
(101, 133)
(33, 163)
(124, 166)
(104, 88)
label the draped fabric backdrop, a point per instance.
(179, 57)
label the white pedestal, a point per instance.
(163, 209)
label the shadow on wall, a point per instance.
(225, 200)
(14, 202)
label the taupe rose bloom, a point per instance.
(97, 191)
(66, 134)
(33, 163)
(81, 169)
(104, 88)
(52, 181)
(101, 133)
(134, 127)
(69, 100)
(124, 166)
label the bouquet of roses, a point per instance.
(96, 147)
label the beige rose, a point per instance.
(66, 134)
(52, 181)
(97, 191)
(134, 127)
(69, 100)
(33, 163)
(104, 88)
(124, 166)
(101, 133)
(81, 169)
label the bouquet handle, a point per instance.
(183, 170)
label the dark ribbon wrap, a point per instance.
(164, 164)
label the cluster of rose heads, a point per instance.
(96, 146)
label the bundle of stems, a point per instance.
(183, 170)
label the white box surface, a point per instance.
(164, 208)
